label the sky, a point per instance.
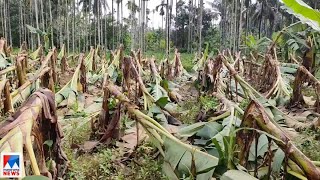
(155, 19)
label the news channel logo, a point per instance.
(11, 165)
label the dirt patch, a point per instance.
(63, 79)
(188, 91)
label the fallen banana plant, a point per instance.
(24, 91)
(137, 60)
(302, 76)
(271, 81)
(62, 57)
(35, 123)
(159, 87)
(256, 118)
(20, 94)
(180, 158)
(276, 114)
(89, 60)
(209, 77)
(96, 58)
(5, 97)
(114, 67)
(249, 91)
(3, 47)
(37, 53)
(200, 63)
(68, 94)
(149, 100)
(107, 126)
(155, 76)
(218, 133)
(178, 67)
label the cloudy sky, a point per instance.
(155, 19)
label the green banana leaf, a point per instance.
(303, 12)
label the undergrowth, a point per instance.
(111, 162)
(308, 142)
(190, 110)
(186, 58)
(209, 102)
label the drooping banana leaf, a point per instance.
(88, 60)
(70, 91)
(303, 12)
(24, 91)
(97, 58)
(200, 64)
(62, 52)
(177, 154)
(35, 30)
(24, 131)
(237, 175)
(157, 91)
(36, 54)
(4, 62)
(113, 69)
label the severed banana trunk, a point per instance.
(256, 117)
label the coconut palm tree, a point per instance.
(160, 8)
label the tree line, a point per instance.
(82, 23)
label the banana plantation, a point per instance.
(215, 93)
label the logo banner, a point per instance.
(11, 165)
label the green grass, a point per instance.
(186, 58)
(308, 142)
(187, 61)
(15, 50)
(209, 102)
(191, 108)
(111, 162)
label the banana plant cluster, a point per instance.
(259, 132)
(30, 122)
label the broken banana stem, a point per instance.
(28, 83)
(256, 116)
(143, 87)
(153, 67)
(278, 89)
(7, 102)
(21, 70)
(7, 70)
(221, 116)
(136, 59)
(227, 102)
(148, 122)
(251, 92)
(303, 75)
(309, 75)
